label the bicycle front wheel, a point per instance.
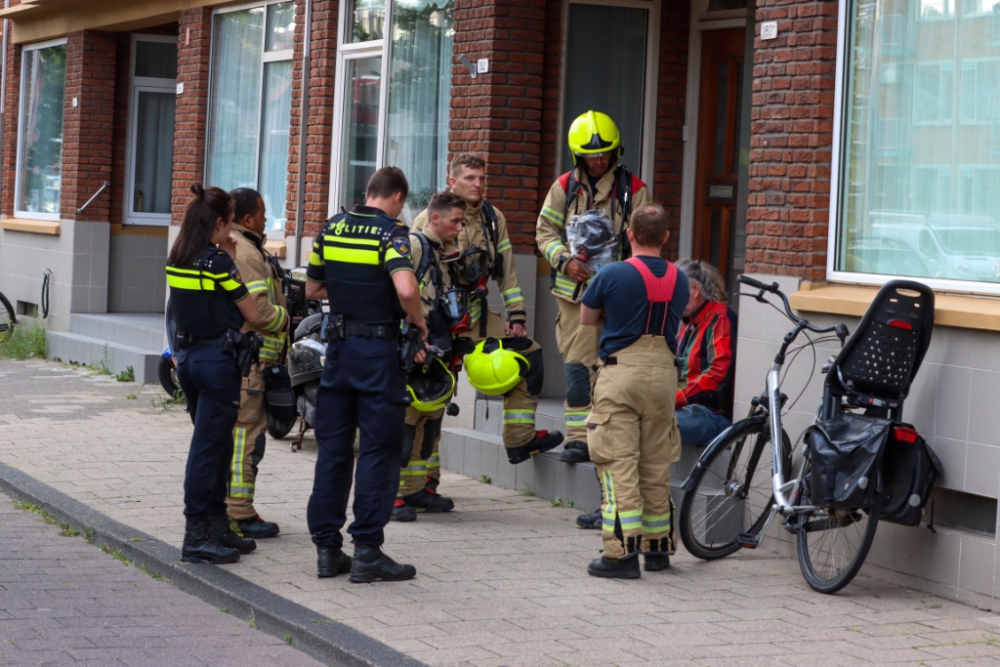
(832, 542)
(732, 491)
(7, 319)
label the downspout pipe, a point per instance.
(300, 190)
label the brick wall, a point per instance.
(499, 114)
(13, 108)
(323, 64)
(791, 139)
(190, 115)
(88, 127)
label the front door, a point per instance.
(719, 237)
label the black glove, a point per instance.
(278, 394)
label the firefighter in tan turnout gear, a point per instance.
(486, 254)
(263, 278)
(431, 383)
(632, 430)
(600, 182)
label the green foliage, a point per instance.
(485, 479)
(127, 375)
(252, 621)
(528, 492)
(168, 404)
(558, 502)
(27, 341)
(132, 396)
(288, 639)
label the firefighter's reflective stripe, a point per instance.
(564, 286)
(518, 416)
(553, 250)
(553, 216)
(610, 506)
(475, 310)
(239, 487)
(271, 349)
(415, 469)
(503, 245)
(434, 462)
(656, 523)
(512, 295)
(629, 519)
(576, 419)
(279, 321)
(257, 286)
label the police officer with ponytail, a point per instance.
(208, 306)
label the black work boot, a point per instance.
(543, 442)
(370, 564)
(257, 528)
(626, 567)
(331, 561)
(200, 547)
(657, 558)
(575, 451)
(402, 512)
(222, 530)
(429, 501)
(590, 521)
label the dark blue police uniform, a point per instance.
(203, 303)
(363, 386)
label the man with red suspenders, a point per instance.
(632, 432)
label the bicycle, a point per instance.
(732, 495)
(7, 319)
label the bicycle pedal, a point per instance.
(747, 540)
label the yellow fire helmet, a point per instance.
(494, 370)
(431, 386)
(592, 133)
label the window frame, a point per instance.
(29, 215)
(838, 153)
(136, 85)
(266, 57)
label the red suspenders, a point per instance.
(658, 290)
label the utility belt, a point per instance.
(245, 347)
(338, 327)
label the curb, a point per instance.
(329, 642)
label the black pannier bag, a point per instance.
(845, 453)
(910, 469)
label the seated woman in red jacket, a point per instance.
(706, 357)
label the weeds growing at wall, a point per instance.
(26, 342)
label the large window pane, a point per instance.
(919, 191)
(420, 96)
(41, 131)
(156, 59)
(366, 20)
(235, 99)
(154, 151)
(362, 86)
(280, 26)
(274, 141)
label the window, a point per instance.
(393, 99)
(153, 95)
(917, 159)
(40, 131)
(250, 103)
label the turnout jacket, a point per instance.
(706, 359)
(264, 282)
(472, 236)
(428, 291)
(551, 225)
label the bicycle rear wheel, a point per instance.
(732, 491)
(7, 319)
(833, 543)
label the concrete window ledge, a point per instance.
(277, 248)
(51, 227)
(963, 312)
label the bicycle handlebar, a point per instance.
(756, 284)
(839, 329)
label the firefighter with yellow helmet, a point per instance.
(598, 181)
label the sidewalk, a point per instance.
(64, 602)
(501, 580)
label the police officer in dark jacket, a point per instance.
(208, 305)
(361, 263)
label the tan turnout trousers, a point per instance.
(248, 446)
(577, 345)
(633, 438)
(424, 468)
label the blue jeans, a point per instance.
(699, 425)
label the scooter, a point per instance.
(306, 358)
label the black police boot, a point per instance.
(429, 501)
(331, 561)
(590, 521)
(370, 564)
(257, 528)
(402, 512)
(200, 547)
(657, 558)
(616, 568)
(543, 442)
(222, 531)
(575, 451)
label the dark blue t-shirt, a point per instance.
(620, 291)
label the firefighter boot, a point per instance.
(200, 547)
(542, 442)
(625, 567)
(257, 528)
(331, 561)
(370, 564)
(590, 521)
(402, 512)
(575, 451)
(429, 501)
(222, 530)
(657, 557)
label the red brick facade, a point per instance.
(791, 140)
(13, 109)
(323, 65)
(190, 129)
